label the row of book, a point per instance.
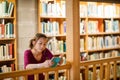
(95, 9)
(90, 9)
(99, 42)
(90, 73)
(48, 8)
(102, 55)
(102, 42)
(6, 51)
(7, 30)
(6, 8)
(6, 68)
(93, 26)
(56, 46)
(99, 55)
(53, 28)
(112, 26)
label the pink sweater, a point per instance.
(29, 59)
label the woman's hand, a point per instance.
(48, 63)
(61, 60)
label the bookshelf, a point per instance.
(52, 22)
(8, 36)
(99, 31)
(99, 34)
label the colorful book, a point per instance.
(55, 61)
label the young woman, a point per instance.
(38, 55)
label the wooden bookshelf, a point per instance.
(101, 31)
(52, 22)
(8, 36)
(100, 34)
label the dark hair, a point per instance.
(36, 38)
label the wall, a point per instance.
(27, 26)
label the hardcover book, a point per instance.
(55, 61)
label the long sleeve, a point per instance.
(28, 58)
(31, 62)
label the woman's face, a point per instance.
(40, 45)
